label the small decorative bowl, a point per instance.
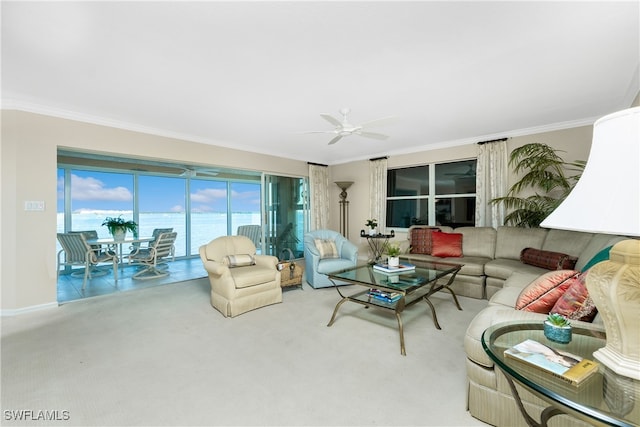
(557, 334)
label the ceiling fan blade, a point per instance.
(372, 135)
(379, 122)
(319, 131)
(336, 139)
(331, 120)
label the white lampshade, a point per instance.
(606, 199)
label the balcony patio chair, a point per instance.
(78, 252)
(253, 232)
(137, 248)
(153, 257)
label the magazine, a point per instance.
(386, 268)
(564, 365)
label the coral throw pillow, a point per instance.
(446, 244)
(576, 303)
(421, 241)
(541, 295)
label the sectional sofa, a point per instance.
(493, 269)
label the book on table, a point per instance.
(561, 364)
(384, 296)
(386, 268)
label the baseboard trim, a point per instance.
(32, 308)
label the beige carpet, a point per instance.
(164, 356)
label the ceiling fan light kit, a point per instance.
(343, 128)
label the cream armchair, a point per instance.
(240, 280)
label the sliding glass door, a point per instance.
(286, 214)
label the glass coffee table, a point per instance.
(605, 398)
(412, 286)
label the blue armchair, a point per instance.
(316, 266)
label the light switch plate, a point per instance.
(34, 205)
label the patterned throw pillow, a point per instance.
(541, 294)
(576, 303)
(241, 260)
(548, 259)
(327, 248)
(421, 242)
(446, 244)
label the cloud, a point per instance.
(208, 195)
(177, 208)
(94, 189)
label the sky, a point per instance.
(104, 191)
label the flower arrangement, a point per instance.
(114, 224)
(371, 223)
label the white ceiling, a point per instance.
(254, 75)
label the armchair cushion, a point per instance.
(240, 260)
(327, 248)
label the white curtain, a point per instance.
(319, 196)
(378, 192)
(491, 182)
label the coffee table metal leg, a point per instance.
(401, 330)
(335, 310)
(546, 414)
(433, 313)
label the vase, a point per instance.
(372, 232)
(560, 334)
(119, 234)
(393, 261)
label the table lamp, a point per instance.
(606, 199)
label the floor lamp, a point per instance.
(344, 207)
(606, 199)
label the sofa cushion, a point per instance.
(510, 241)
(548, 259)
(542, 293)
(596, 244)
(254, 275)
(327, 248)
(576, 303)
(504, 268)
(446, 244)
(566, 242)
(478, 241)
(420, 238)
(238, 260)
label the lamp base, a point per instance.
(614, 286)
(618, 363)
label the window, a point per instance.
(433, 194)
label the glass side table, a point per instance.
(605, 398)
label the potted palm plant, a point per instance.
(547, 175)
(118, 227)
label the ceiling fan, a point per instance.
(344, 128)
(193, 172)
(470, 172)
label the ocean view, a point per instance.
(204, 226)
